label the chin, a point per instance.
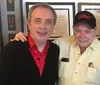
(83, 46)
(42, 39)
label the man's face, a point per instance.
(42, 24)
(84, 35)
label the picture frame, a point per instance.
(11, 22)
(11, 36)
(94, 8)
(10, 5)
(65, 14)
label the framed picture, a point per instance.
(11, 36)
(65, 13)
(11, 22)
(94, 8)
(10, 5)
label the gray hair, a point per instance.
(45, 5)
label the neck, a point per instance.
(82, 49)
(40, 45)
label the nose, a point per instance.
(43, 26)
(82, 34)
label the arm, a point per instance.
(5, 65)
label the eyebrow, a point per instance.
(41, 19)
(37, 18)
(49, 20)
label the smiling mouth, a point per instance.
(82, 41)
(42, 33)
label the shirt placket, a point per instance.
(81, 66)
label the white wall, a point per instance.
(76, 1)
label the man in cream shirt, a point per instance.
(79, 62)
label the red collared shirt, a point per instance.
(39, 57)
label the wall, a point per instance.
(76, 1)
(18, 18)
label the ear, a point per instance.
(28, 24)
(95, 28)
(73, 30)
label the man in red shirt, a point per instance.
(34, 62)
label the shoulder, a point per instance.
(64, 40)
(14, 45)
(53, 49)
(97, 44)
(53, 45)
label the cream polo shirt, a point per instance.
(80, 69)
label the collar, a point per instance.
(94, 44)
(32, 43)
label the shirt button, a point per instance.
(75, 72)
(38, 58)
(78, 53)
(78, 63)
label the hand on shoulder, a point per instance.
(20, 36)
